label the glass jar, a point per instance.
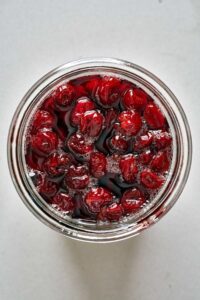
(182, 150)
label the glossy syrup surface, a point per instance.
(98, 148)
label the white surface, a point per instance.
(162, 263)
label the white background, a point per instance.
(162, 36)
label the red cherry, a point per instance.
(151, 180)
(77, 177)
(97, 197)
(57, 163)
(82, 105)
(119, 143)
(143, 141)
(135, 99)
(110, 117)
(132, 200)
(107, 92)
(112, 212)
(63, 202)
(78, 144)
(160, 162)
(91, 123)
(64, 95)
(162, 140)
(128, 167)
(130, 122)
(44, 142)
(80, 91)
(124, 87)
(49, 104)
(98, 164)
(154, 117)
(145, 157)
(47, 188)
(43, 119)
(91, 85)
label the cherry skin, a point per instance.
(160, 162)
(97, 197)
(77, 143)
(143, 141)
(44, 142)
(130, 122)
(57, 163)
(47, 188)
(162, 140)
(107, 91)
(82, 105)
(49, 104)
(92, 85)
(145, 157)
(128, 167)
(43, 119)
(151, 180)
(154, 117)
(91, 123)
(135, 99)
(98, 164)
(80, 92)
(63, 202)
(119, 143)
(77, 177)
(64, 95)
(132, 200)
(112, 212)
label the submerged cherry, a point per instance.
(143, 141)
(128, 167)
(135, 99)
(162, 140)
(82, 105)
(77, 177)
(91, 123)
(64, 95)
(47, 188)
(160, 162)
(154, 117)
(151, 180)
(78, 144)
(97, 197)
(112, 212)
(107, 91)
(63, 202)
(119, 143)
(43, 119)
(132, 200)
(44, 142)
(57, 163)
(130, 122)
(98, 164)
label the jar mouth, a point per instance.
(167, 196)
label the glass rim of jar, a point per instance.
(119, 230)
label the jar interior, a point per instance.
(149, 207)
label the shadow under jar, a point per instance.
(99, 149)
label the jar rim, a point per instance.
(127, 230)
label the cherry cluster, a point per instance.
(98, 148)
